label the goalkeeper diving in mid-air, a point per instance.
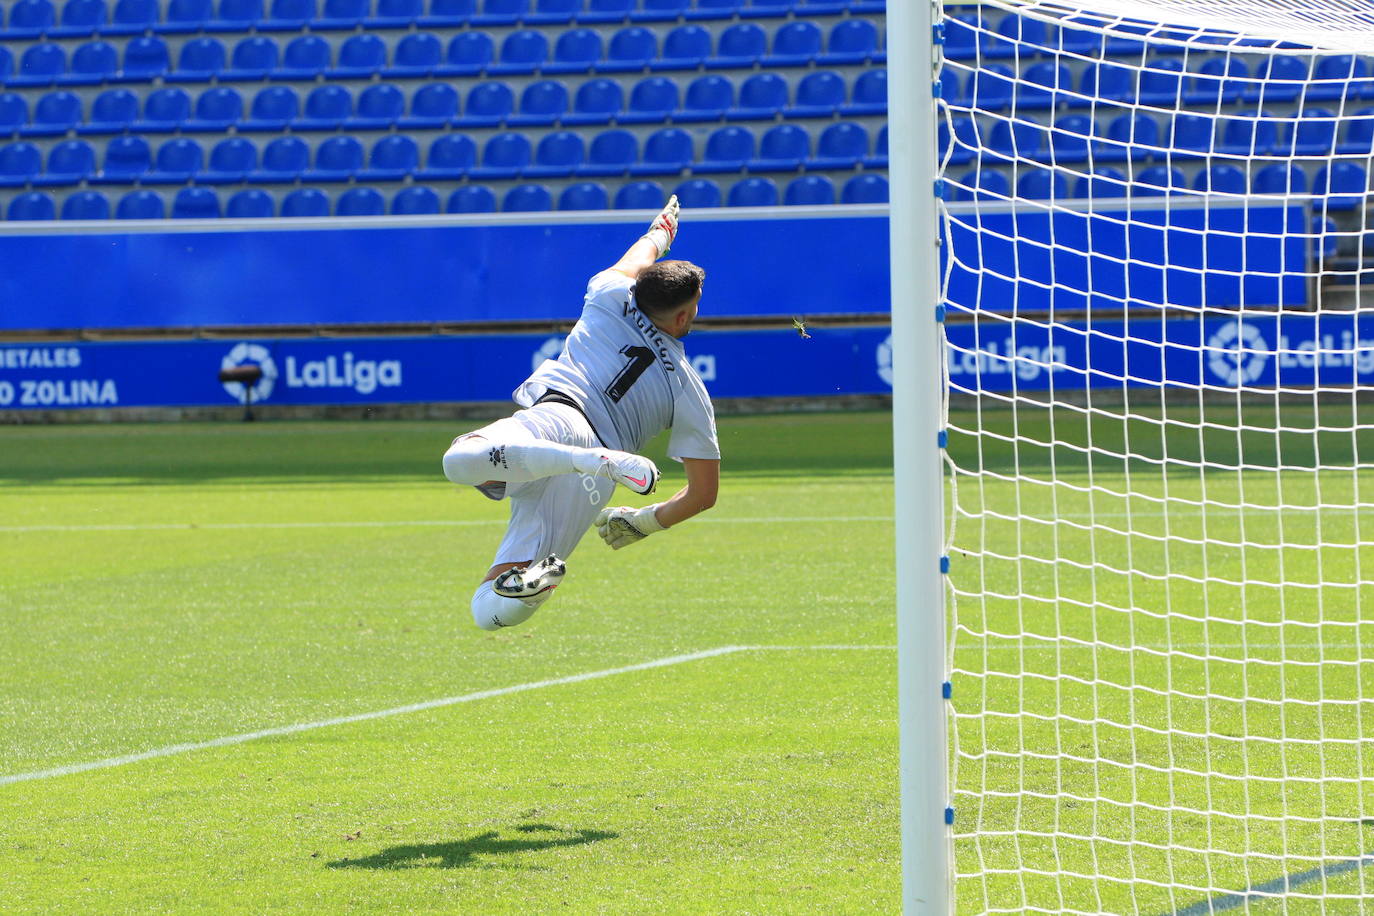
(621, 379)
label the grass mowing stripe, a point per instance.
(438, 523)
(1271, 890)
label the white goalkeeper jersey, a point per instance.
(631, 380)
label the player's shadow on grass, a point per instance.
(468, 853)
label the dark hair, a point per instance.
(662, 288)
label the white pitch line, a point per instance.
(395, 711)
(426, 523)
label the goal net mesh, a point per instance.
(1161, 455)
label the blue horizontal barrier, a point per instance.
(1294, 350)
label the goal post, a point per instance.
(1133, 373)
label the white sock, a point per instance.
(491, 611)
(474, 459)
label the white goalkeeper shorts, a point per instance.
(549, 515)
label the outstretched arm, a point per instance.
(623, 525)
(653, 244)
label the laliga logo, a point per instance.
(1235, 353)
(550, 350)
(885, 360)
(250, 353)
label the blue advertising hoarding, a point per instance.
(1292, 350)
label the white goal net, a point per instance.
(1160, 346)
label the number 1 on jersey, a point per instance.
(640, 358)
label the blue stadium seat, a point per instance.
(380, 106)
(1219, 80)
(1192, 133)
(448, 13)
(69, 162)
(326, 108)
(250, 203)
(217, 109)
(200, 60)
(597, 101)
(33, 206)
(433, 105)
(360, 202)
(698, 194)
(686, 47)
(795, 44)
(1018, 139)
(305, 202)
(126, 159)
(1313, 134)
(54, 114)
(1345, 185)
(469, 53)
(306, 57)
(879, 158)
(1281, 78)
(1131, 136)
(961, 36)
(287, 16)
(451, 156)
(131, 17)
(991, 87)
(783, 149)
(1044, 85)
(1220, 179)
(728, 149)
(708, 98)
(630, 49)
(809, 191)
(336, 159)
(842, 145)
(283, 160)
(962, 144)
(186, 16)
(30, 18)
(983, 184)
(527, 198)
(178, 160)
(951, 87)
(522, 52)
(640, 195)
(741, 45)
(232, 160)
(865, 189)
(164, 110)
(14, 112)
(661, 10)
(6, 65)
(870, 93)
(393, 157)
(1248, 133)
(611, 152)
(86, 205)
(417, 54)
(557, 156)
(1070, 139)
(575, 51)
(195, 203)
(1158, 180)
(141, 205)
(80, 18)
(92, 63)
(236, 16)
(602, 10)
(553, 12)
(1359, 134)
(416, 200)
(274, 107)
(112, 112)
(819, 95)
(488, 104)
(1339, 76)
(473, 198)
(501, 12)
(359, 56)
(1102, 183)
(145, 57)
(395, 14)
(1279, 178)
(254, 58)
(341, 14)
(758, 9)
(753, 192)
(542, 103)
(666, 152)
(761, 97)
(1161, 82)
(1042, 184)
(1107, 80)
(851, 41)
(584, 195)
(504, 157)
(652, 100)
(40, 65)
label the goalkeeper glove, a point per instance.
(663, 229)
(623, 525)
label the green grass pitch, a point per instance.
(178, 584)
